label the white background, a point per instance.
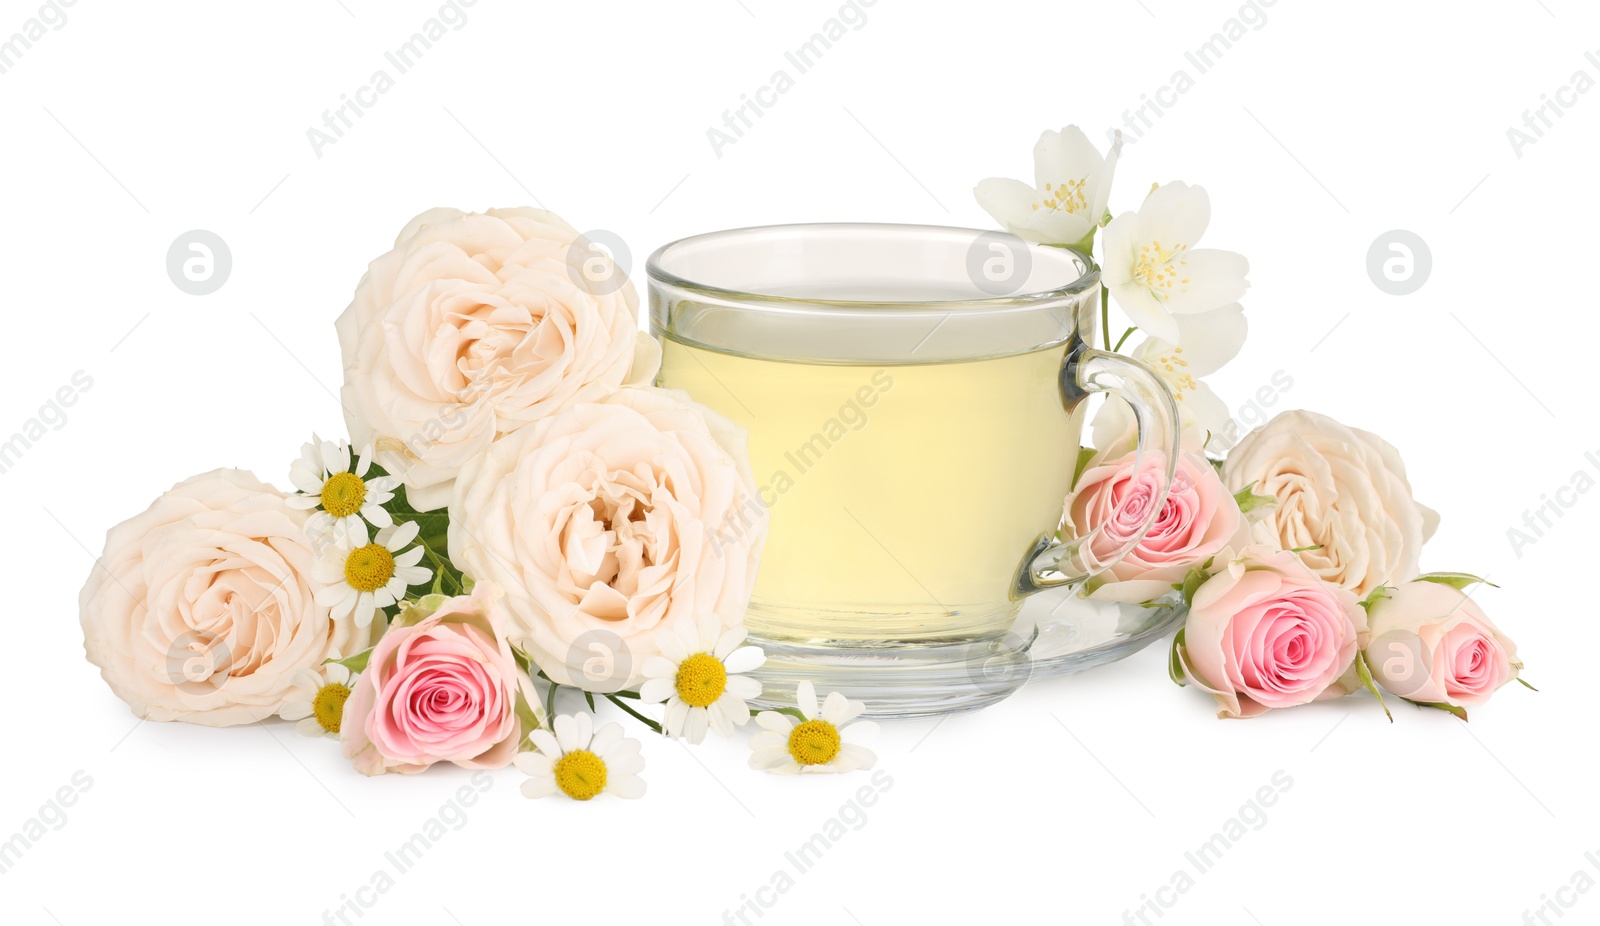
(1325, 127)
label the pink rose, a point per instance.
(441, 689)
(1433, 644)
(203, 607)
(1198, 520)
(1265, 633)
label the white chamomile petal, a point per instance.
(805, 698)
(835, 708)
(775, 722)
(538, 787)
(672, 647)
(656, 690)
(743, 687)
(546, 743)
(744, 659)
(604, 738)
(728, 642)
(659, 667)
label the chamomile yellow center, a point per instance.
(580, 774)
(701, 680)
(328, 705)
(369, 568)
(343, 494)
(814, 742)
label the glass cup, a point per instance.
(915, 398)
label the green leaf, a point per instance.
(1376, 595)
(356, 663)
(1085, 454)
(1175, 661)
(523, 662)
(526, 716)
(1459, 713)
(589, 697)
(1306, 549)
(1191, 583)
(1249, 501)
(1460, 581)
(433, 532)
(1364, 673)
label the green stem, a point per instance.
(439, 564)
(1105, 315)
(633, 713)
(1124, 339)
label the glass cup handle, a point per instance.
(1053, 562)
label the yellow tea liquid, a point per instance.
(903, 497)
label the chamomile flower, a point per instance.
(360, 577)
(697, 675)
(342, 496)
(581, 765)
(823, 742)
(320, 711)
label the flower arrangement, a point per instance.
(1297, 550)
(519, 519)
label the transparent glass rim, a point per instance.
(1028, 300)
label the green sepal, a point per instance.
(1249, 501)
(1191, 583)
(1175, 660)
(1460, 581)
(589, 697)
(1373, 597)
(1364, 672)
(526, 717)
(356, 663)
(1524, 683)
(1459, 713)
(1085, 454)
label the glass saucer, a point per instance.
(1071, 634)
(1056, 634)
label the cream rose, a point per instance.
(1339, 490)
(202, 608)
(608, 525)
(1432, 643)
(473, 326)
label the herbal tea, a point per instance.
(903, 497)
